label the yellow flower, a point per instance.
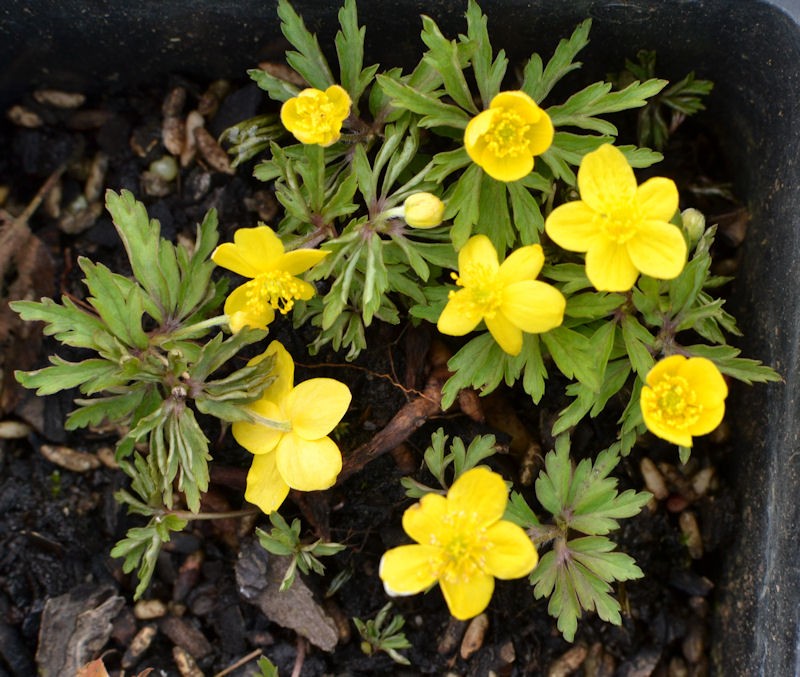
(622, 227)
(507, 297)
(423, 210)
(462, 543)
(314, 116)
(258, 253)
(504, 138)
(683, 398)
(295, 450)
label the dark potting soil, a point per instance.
(59, 520)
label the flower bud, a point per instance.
(694, 225)
(423, 210)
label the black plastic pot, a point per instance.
(749, 48)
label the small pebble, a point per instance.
(701, 482)
(653, 479)
(451, 637)
(187, 666)
(569, 662)
(148, 609)
(164, 167)
(473, 637)
(24, 117)
(13, 430)
(677, 667)
(691, 533)
(694, 643)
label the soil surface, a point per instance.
(59, 587)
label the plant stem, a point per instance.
(199, 326)
(230, 514)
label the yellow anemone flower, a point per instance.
(462, 543)
(683, 397)
(504, 138)
(258, 253)
(316, 117)
(290, 442)
(507, 296)
(623, 228)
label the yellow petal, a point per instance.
(340, 100)
(479, 491)
(660, 429)
(511, 553)
(519, 102)
(458, 318)
(255, 437)
(300, 260)
(308, 465)
(533, 306)
(658, 250)
(571, 226)
(316, 406)
(407, 570)
(473, 135)
(705, 379)
(709, 419)
(254, 251)
(605, 179)
(540, 134)
(505, 332)
(423, 521)
(667, 366)
(282, 370)
(657, 199)
(609, 267)
(467, 598)
(478, 251)
(506, 168)
(265, 486)
(524, 263)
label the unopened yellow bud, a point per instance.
(694, 225)
(423, 210)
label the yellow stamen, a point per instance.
(508, 134)
(673, 403)
(621, 222)
(483, 293)
(276, 288)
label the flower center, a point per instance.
(620, 223)
(673, 403)
(462, 554)
(507, 135)
(315, 111)
(276, 288)
(483, 294)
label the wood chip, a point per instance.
(186, 636)
(13, 430)
(94, 187)
(69, 459)
(653, 479)
(691, 534)
(24, 117)
(473, 637)
(185, 663)
(194, 121)
(173, 135)
(148, 609)
(139, 645)
(283, 72)
(216, 157)
(569, 662)
(59, 99)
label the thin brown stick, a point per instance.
(242, 661)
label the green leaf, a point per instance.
(593, 305)
(70, 325)
(571, 352)
(729, 363)
(446, 57)
(528, 218)
(637, 343)
(350, 50)
(65, 375)
(462, 201)
(277, 88)
(434, 113)
(488, 74)
(118, 301)
(308, 60)
(116, 408)
(519, 512)
(538, 82)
